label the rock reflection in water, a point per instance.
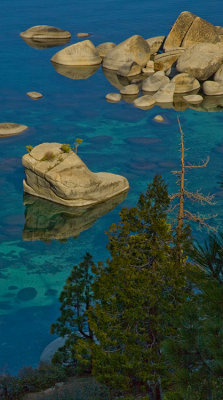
(75, 72)
(45, 220)
(45, 43)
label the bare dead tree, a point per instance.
(184, 194)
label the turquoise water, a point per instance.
(117, 138)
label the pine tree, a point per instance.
(76, 299)
(137, 294)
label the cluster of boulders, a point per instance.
(189, 60)
(56, 173)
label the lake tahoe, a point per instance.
(39, 241)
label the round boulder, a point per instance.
(146, 101)
(185, 83)
(158, 118)
(44, 32)
(130, 89)
(212, 88)
(165, 93)
(113, 97)
(134, 49)
(11, 129)
(81, 53)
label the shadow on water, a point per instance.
(45, 220)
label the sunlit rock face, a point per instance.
(45, 32)
(11, 129)
(134, 49)
(45, 220)
(62, 177)
(81, 53)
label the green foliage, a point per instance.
(48, 156)
(78, 141)
(31, 380)
(195, 353)
(29, 148)
(137, 295)
(76, 299)
(66, 148)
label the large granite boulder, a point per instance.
(129, 69)
(81, 53)
(60, 176)
(200, 31)
(185, 83)
(179, 30)
(134, 49)
(146, 101)
(201, 60)
(45, 220)
(45, 32)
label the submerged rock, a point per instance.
(45, 32)
(81, 53)
(11, 129)
(134, 49)
(62, 177)
(49, 351)
(45, 220)
(158, 118)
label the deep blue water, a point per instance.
(113, 141)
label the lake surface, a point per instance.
(118, 138)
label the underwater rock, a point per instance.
(158, 118)
(45, 32)
(75, 72)
(62, 177)
(113, 97)
(11, 129)
(26, 294)
(134, 49)
(81, 53)
(34, 95)
(51, 349)
(45, 220)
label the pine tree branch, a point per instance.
(200, 219)
(197, 196)
(199, 166)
